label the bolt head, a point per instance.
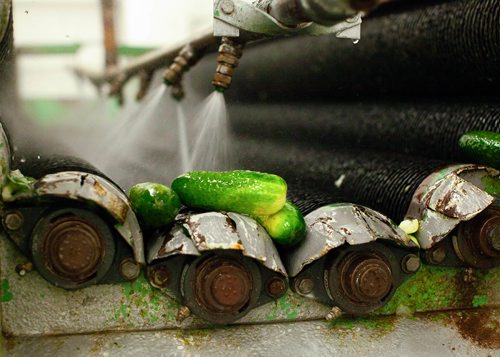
(129, 269)
(159, 276)
(227, 6)
(13, 220)
(305, 286)
(411, 263)
(437, 255)
(276, 287)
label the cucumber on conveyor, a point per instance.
(286, 227)
(482, 147)
(155, 204)
(247, 192)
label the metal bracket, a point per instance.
(77, 185)
(202, 232)
(242, 16)
(447, 198)
(331, 226)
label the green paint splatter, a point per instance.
(150, 303)
(436, 288)
(5, 293)
(491, 185)
(479, 300)
(287, 307)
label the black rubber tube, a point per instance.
(426, 128)
(384, 182)
(437, 48)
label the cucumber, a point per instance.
(482, 146)
(286, 227)
(247, 192)
(156, 205)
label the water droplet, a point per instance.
(355, 41)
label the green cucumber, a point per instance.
(482, 146)
(248, 192)
(156, 205)
(286, 227)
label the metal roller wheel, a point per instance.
(72, 247)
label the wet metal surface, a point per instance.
(88, 187)
(331, 226)
(251, 19)
(138, 306)
(426, 335)
(214, 230)
(448, 197)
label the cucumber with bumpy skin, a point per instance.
(482, 146)
(286, 227)
(156, 205)
(248, 192)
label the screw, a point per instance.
(129, 269)
(24, 268)
(437, 255)
(13, 220)
(276, 287)
(227, 7)
(333, 314)
(159, 277)
(305, 286)
(183, 314)
(410, 263)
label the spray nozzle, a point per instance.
(187, 57)
(230, 52)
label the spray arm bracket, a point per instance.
(232, 17)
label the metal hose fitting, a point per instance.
(230, 52)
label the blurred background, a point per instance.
(53, 37)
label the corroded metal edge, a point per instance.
(331, 226)
(78, 185)
(448, 197)
(197, 233)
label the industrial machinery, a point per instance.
(353, 259)
(219, 266)
(74, 224)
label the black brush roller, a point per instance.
(417, 129)
(381, 181)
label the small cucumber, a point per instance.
(248, 192)
(156, 205)
(482, 146)
(286, 227)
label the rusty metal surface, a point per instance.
(73, 248)
(30, 306)
(331, 226)
(454, 334)
(447, 198)
(88, 187)
(214, 230)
